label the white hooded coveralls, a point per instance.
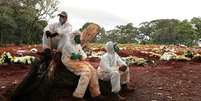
(109, 68)
(87, 73)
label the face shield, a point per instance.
(116, 48)
(75, 38)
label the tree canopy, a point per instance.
(22, 21)
(160, 31)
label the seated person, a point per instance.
(54, 34)
(73, 58)
(114, 69)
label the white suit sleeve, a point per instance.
(50, 27)
(104, 64)
(120, 62)
(55, 28)
(45, 40)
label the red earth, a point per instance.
(158, 81)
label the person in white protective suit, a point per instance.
(73, 57)
(112, 68)
(55, 34)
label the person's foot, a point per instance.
(126, 88)
(99, 98)
(117, 97)
(78, 99)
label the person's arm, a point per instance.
(120, 62)
(49, 30)
(45, 39)
(51, 35)
(71, 51)
(84, 55)
(122, 65)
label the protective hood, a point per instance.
(111, 47)
(75, 37)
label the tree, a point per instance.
(123, 33)
(102, 37)
(145, 28)
(7, 29)
(196, 21)
(29, 16)
(172, 31)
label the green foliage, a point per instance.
(161, 31)
(123, 34)
(188, 54)
(22, 21)
(101, 37)
(172, 31)
(6, 58)
(196, 21)
(7, 29)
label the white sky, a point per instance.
(109, 13)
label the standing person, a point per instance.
(115, 70)
(73, 57)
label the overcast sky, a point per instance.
(109, 13)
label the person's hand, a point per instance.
(79, 56)
(53, 35)
(75, 56)
(123, 68)
(48, 33)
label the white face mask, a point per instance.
(61, 20)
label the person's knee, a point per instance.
(86, 74)
(93, 70)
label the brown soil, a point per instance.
(161, 81)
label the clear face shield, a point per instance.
(116, 48)
(77, 39)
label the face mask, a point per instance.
(116, 48)
(61, 20)
(77, 39)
